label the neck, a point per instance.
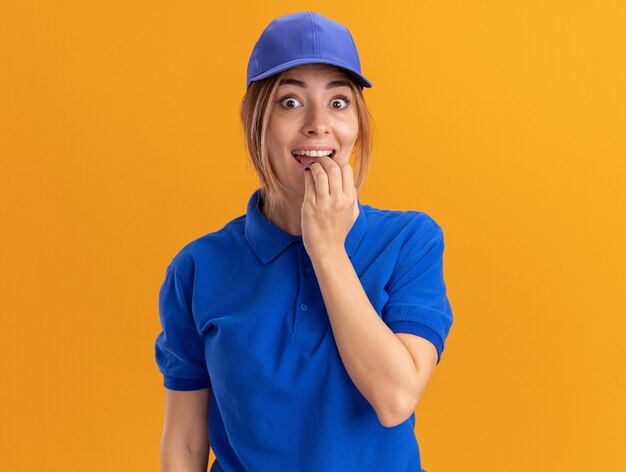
(287, 217)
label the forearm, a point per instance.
(379, 365)
(177, 457)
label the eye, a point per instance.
(288, 99)
(285, 100)
(340, 98)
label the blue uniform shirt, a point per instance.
(242, 313)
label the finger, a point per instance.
(335, 178)
(321, 182)
(309, 187)
(347, 176)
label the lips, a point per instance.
(306, 161)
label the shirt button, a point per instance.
(307, 270)
(303, 307)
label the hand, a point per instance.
(330, 207)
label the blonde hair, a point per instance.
(256, 107)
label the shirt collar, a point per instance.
(268, 240)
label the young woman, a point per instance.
(302, 335)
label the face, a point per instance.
(314, 106)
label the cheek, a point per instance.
(272, 133)
(279, 131)
(347, 132)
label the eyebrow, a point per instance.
(329, 85)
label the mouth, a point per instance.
(306, 161)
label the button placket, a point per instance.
(305, 304)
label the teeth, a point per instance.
(312, 153)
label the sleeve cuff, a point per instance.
(412, 327)
(176, 383)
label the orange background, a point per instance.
(505, 121)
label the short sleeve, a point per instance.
(179, 348)
(418, 302)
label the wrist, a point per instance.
(328, 257)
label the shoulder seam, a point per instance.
(431, 224)
(182, 281)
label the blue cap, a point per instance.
(304, 38)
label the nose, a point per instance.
(317, 121)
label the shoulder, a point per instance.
(402, 223)
(216, 244)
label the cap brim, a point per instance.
(359, 78)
